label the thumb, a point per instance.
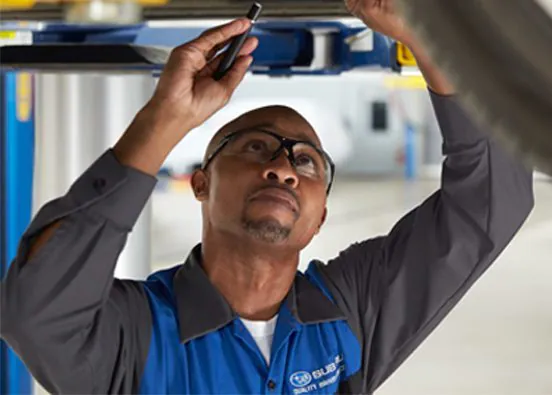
(235, 75)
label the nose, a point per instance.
(280, 170)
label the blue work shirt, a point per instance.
(313, 349)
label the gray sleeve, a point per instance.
(397, 289)
(76, 328)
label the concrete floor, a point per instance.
(498, 341)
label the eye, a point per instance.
(255, 146)
(304, 160)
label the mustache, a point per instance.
(284, 188)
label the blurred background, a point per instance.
(364, 97)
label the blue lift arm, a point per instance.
(285, 48)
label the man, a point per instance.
(236, 317)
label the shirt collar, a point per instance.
(202, 309)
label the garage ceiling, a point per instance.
(196, 9)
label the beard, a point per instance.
(267, 230)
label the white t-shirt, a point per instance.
(263, 333)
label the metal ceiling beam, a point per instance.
(200, 9)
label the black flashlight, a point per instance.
(237, 43)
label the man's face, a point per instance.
(270, 201)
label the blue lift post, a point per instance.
(285, 48)
(16, 169)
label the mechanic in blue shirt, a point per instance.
(237, 317)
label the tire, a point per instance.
(499, 56)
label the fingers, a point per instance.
(248, 47)
(389, 6)
(195, 54)
(211, 54)
(235, 75)
(210, 38)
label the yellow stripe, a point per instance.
(26, 4)
(405, 82)
(24, 92)
(5, 35)
(16, 4)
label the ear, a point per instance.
(322, 220)
(200, 185)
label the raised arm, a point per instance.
(396, 289)
(436, 253)
(76, 328)
(62, 313)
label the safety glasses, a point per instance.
(263, 146)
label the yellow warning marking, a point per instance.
(405, 82)
(404, 56)
(24, 95)
(16, 4)
(20, 37)
(7, 35)
(26, 4)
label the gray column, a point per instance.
(79, 116)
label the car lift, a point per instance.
(285, 48)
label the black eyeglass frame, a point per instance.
(286, 144)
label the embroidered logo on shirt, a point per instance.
(323, 377)
(300, 379)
